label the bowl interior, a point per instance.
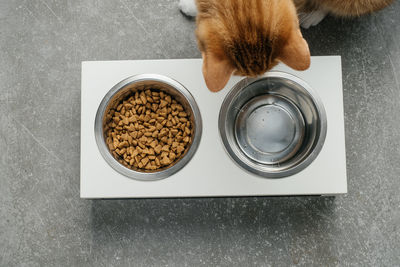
(132, 88)
(269, 129)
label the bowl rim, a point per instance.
(147, 176)
(257, 168)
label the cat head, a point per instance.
(248, 38)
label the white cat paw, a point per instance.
(188, 7)
(311, 19)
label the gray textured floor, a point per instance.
(43, 221)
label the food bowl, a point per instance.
(139, 83)
(274, 125)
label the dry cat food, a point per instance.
(148, 130)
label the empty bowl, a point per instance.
(274, 125)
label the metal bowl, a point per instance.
(274, 125)
(138, 83)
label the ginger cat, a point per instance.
(249, 37)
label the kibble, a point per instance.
(148, 130)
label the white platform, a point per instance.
(211, 172)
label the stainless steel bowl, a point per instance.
(274, 125)
(139, 83)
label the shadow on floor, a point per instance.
(135, 218)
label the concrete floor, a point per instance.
(43, 220)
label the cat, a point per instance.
(311, 12)
(249, 37)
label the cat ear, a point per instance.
(216, 71)
(296, 53)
